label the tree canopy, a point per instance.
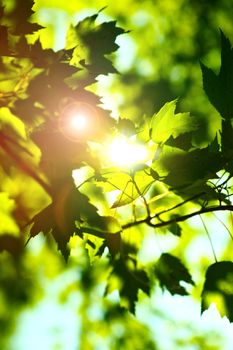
(96, 180)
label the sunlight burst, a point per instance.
(78, 122)
(123, 152)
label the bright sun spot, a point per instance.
(78, 122)
(125, 153)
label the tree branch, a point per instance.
(180, 204)
(148, 220)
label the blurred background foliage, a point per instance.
(157, 61)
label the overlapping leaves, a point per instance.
(131, 280)
(37, 85)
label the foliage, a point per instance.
(108, 213)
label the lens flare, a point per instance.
(78, 121)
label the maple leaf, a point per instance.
(166, 123)
(98, 41)
(68, 212)
(219, 88)
(170, 271)
(20, 15)
(131, 280)
(59, 217)
(218, 284)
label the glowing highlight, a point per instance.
(123, 152)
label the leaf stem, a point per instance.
(210, 240)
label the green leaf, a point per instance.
(42, 222)
(218, 287)
(154, 174)
(60, 217)
(71, 212)
(170, 272)
(131, 280)
(219, 88)
(188, 171)
(93, 42)
(133, 187)
(166, 123)
(62, 228)
(175, 229)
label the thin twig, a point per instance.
(223, 224)
(208, 235)
(180, 204)
(142, 196)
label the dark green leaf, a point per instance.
(170, 272)
(219, 88)
(154, 174)
(60, 217)
(175, 229)
(113, 242)
(20, 15)
(131, 280)
(219, 284)
(191, 169)
(43, 222)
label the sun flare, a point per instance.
(125, 153)
(78, 122)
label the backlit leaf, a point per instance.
(167, 123)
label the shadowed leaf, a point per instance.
(218, 287)
(131, 280)
(170, 272)
(219, 88)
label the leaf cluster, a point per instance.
(179, 179)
